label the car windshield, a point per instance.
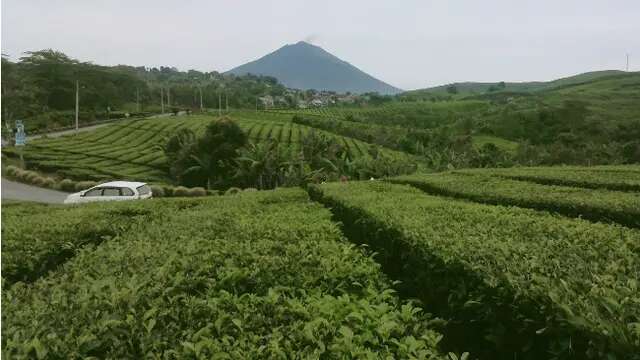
(144, 190)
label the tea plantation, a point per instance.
(130, 149)
(521, 263)
(257, 275)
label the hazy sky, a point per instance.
(409, 44)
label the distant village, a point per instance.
(303, 99)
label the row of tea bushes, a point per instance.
(515, 283)
(37, 238)
(620, 178)
(596, 205)
(68, 185)
(260, 275)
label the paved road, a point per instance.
(12, 190)
(92, 127)
(68, 132)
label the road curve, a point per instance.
(12, 190)
(93, 127)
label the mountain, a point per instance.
(306, 66)
(471, 88)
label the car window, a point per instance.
(126, 191)
(111, 192)
(144, 190)
(94, 192)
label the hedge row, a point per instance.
(258, 275)
(577, 177)
(68, 185)
(595, 205)
(531, 284)
(38, 238)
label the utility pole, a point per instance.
(137, 100)
(226, 96)
(201, 105)
(77, 103)
(168, 96)
(627, 62)
(162, 99)
(219, 104)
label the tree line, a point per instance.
(40, 87)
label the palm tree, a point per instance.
(206, 166)
(263, 165)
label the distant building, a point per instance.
(267, 101)
(347, 99)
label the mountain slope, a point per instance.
(306, 66)
(468, 88)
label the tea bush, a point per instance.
(157, 191)
(67, 185)
(257, 275)
(534, 285)
(197, 191)
(595, 205)
(612, 178)
(84, 185)
(180, 191)
(233, 191)
(33, 243)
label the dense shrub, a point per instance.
(29, 177)
(49, 183)
(19, 174)
(38, 180)
(595, 205)
(11, 170)
(67, 185)
(197, 191)
(180, 191)
(526, 284)
(258, 276)
(157, 191)
(232, 191)
(167, 191)
(84, 185)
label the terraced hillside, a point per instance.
(129, 149)
(591, 121)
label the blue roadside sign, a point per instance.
(21, 135)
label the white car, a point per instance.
(111, 191)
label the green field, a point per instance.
(129, 149)
(480, 261)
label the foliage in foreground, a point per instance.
(257, 275)
(514, 282)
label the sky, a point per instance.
(407, 43)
